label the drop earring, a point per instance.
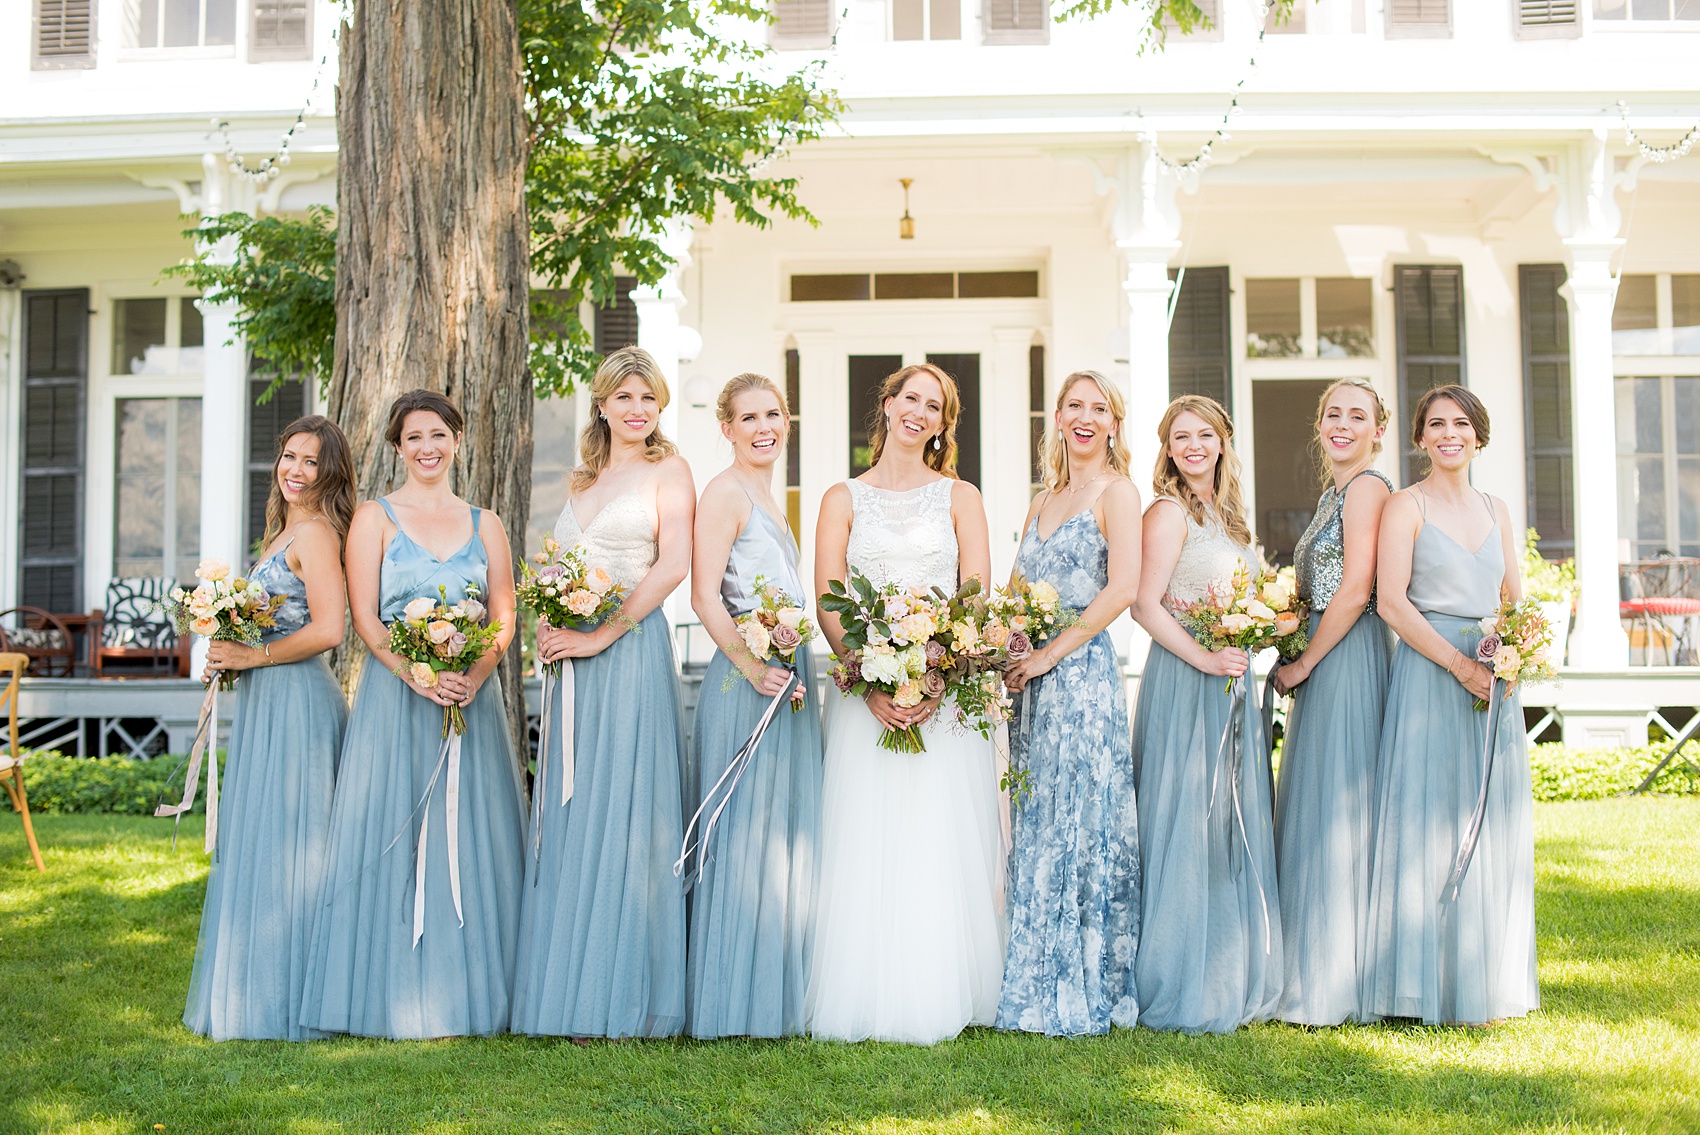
(937, 444)
(1110, 443)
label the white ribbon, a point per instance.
(206, 736)
(448, 756)
(1000, 767)
(1473, 830)
(735, 770)
(558, 698)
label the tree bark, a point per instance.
(433, 249)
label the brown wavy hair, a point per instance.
(1056, 452)
(1167, 481)
(434, 401)
(1466, 401)
(596, 440)
(942, 459)
(1325, 470)
(332, 492)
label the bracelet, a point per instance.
(270, 661)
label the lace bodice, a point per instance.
(904, 537)
(620, 539)
(1209, 559)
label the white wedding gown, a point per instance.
(909, 935)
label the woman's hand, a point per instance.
(1229, 662)
(1035, 665)
(229, 656)
(554, 644)
(1472, 675)
(889, 714)
(768, 680)
(457, 689)
(434, 693)
(1289, 677)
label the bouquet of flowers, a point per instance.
(434, 635)
(1516, 644)
(1256, 610)
(775, 629)
(225, 608)
(1029, 611)
(564, 591)
(897, 639)
(979, 645)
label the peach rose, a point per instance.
(213, 570)
(204, 626)
(439, 631)
(756, 637)
(908, 695)
(996, 635)
(583, 603)
(423, 676)
(1235, 622)
(598, 581)
(1286, 623)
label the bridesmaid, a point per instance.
(751, 916)
(367, 974)
(602, 931)
(1472, 960)
(1210, 949)
(1324, 801)
(1074, 870)
(281, 765)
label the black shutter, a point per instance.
(1428, 302)
(50, 561)
(1198, 337)
(1546, 406)
(617, 324)
(265, 421)
(64, 34)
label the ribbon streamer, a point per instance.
(735, 770)
(558, 695)
(1473, 831)
(1231, 750)
(449, 757)
(206, 734)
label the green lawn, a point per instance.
(94, 958)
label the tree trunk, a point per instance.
(433, 250)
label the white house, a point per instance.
(1411, 191)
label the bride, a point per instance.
(909, 935)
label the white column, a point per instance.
(1004, 464)
(661, 334)
(11, 408)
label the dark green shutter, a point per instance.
(1199, 339)
(1429, 311)
(617, 324)
(1546, 406)
(50, 561)
(265, 421)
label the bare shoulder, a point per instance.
(722, 492)
(1166, 519)
(674, 471)
(369, 517)
(1501, 512)
(964, 494)
(318, 535)
(491, 528)
(1121, 493)
(1368, 488)
(836, 498)
(1402, 508)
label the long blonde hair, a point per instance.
(1324, 467)
(1167, 481)
(1056, 452)
(596, 441)
(943, 458)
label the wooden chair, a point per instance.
(133, 627)
(42, 637)
(12, 667)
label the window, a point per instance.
(793, 442)
(1656, 315)
(1037, 418)
(1547, 449)
(1419, 19)
(1198, 336)
(64, 35)
(1429, 302)
(158, 491)
(554, 453)
(157, 336)
(179, 23)
(867, 372)
(1345, 324)
(926, 19)
(1272, 319)
(1658, 465)
(616, 325)
(1547, 19)
(1016, 21)
(1646, 11)
(801, 24)
(279, 29)
(1207, 30)
(914, 286)
(50, 561)
(266, 421)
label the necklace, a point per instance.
(1072, 488)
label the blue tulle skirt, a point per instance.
(366, 975)
(752, 912)
(269, 866)
(1324, 803)
(602, 933)
(1472, 960)
(1210, 937)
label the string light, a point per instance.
(1204, 156)
(270, 168)
(1653, 153)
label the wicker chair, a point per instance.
(42, 638)
(133, 627)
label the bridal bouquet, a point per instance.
(897, 639)
(565, 591)
(434, 635)
(223, 607)
(1516, 645)
(1256, 610)
(775, 629)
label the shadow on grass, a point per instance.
(94, 963)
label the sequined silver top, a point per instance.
(1320, 556)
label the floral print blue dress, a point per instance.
(1074, 875)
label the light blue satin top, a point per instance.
(409, 571)
(764, 548)
(1448, 579)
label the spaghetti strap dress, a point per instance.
(1210, 934)
(269, 867)
(602, 929)
(1325, 797)
(1471, 960)
(752, 911)
(366, 975)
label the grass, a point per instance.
(95, 955)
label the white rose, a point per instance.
(1259, 610)
(790, 617)
(419, 608)
(881, 664)
(914, 659)
(1489, 624)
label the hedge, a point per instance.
(1593, 774)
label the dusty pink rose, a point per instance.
(1490, 645)
(457, 643)
(785, 639)
(1020, 646)
(474, 610)
(935, 653)
(933, 684)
